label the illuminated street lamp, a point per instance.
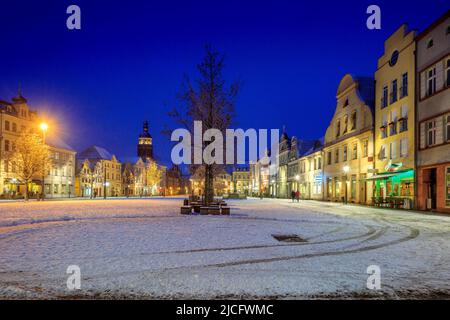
(44, 127)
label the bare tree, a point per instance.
(210, 101)
(31, 158)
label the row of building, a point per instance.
(94, 172)
(389, 138)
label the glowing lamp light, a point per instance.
(297, 177)
(346, 169)
(43, 126)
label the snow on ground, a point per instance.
(143, 248)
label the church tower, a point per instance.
(145, 145)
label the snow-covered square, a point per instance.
(143, 248)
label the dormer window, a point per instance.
(430, 43)
(346, 103)
(448, 30)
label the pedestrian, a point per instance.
(297, 196)
(293, 195)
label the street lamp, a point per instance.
(44, 127)
(346, 169)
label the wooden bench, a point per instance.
(204, 210)
(214, 210)
(225, 211)
(186, 210)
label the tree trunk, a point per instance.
(26, 190)
(209, 189)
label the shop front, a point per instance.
(434, 188)
(394, 189)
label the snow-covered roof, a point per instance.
(56, 142)
(96, 153)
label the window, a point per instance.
(430, 43)
(7, 126)
(394, 58)
(336, 156)
(6, 145)
(384, 126)
(431, 81)
(355, 151)
(403, 147)
(345, 125)
(329, 158)
(319, 162)
(403, 118)
(382, 155)
(393, 150)
(346, 103)
(353, 187)
(365, 148)
(447, 125)
(345, 153)
(394, 91)
(338, 128)
(447, 73)
(384, 97)
(393, 123)
(353, 120)
(404, 87)
(14, 127)
(431, 132)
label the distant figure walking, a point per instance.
(293, 195)
(297, 196)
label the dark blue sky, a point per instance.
(127, 62)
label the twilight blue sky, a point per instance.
(126, 64)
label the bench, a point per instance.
(186, 210)
(225, 211)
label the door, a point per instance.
(432, 189)
(363, 189)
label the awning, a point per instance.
(391, 174)
(381, 176)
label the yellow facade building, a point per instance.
(394, 121)
(348, 148)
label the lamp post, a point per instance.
(346, 169)
(44, 127)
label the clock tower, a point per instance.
(145, 145)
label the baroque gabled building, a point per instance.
(395, 118)
(348, 148)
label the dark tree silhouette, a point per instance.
(210, 101)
